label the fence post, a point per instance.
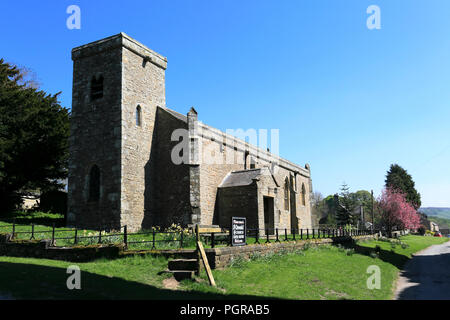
(301, 234)
(267, 236)
(76, 236)
(181, 240)
(197, 237)
(53, 235)
(276, 231)
(100, 237)
(14, 228)
(313, 233)
(212, 240)
(32, 231)
(307, 234)
(285, 235)
(153, 239)
(125, 237)
(257, 236)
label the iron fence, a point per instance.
(157, 240)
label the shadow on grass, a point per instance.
(37, 218)
(28, 281)
(398, 260)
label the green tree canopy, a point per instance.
(345, 213)
(398, 178)
(34, 132)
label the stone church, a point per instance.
(122, 169)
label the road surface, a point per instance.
(426, 276)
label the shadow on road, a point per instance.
(426, 277)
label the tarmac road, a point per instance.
(426, 276)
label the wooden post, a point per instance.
(205, 263)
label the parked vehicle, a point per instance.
(438, 234)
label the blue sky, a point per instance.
(347, 100)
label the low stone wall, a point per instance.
(42, 249)
(222, 257)
(217, 257)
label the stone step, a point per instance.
(183, 264)
(182, 274)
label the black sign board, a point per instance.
(238, 231)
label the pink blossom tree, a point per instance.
(396, 211)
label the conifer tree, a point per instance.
(34, 131)
(398, 179)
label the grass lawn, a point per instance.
(326, 272)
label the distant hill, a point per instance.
(436, 212)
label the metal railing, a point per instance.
(155, 239)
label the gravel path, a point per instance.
(426, 276)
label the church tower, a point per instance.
(118, 83)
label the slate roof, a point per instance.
(243, 177)
(175, 114)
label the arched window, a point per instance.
(138, 116)
(286, 194)
(96, 87)
(303, 195)
(94, 184)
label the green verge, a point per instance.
(326, 272)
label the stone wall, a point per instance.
(238, 202)
(143, 85)
(222, 257)
(172, 183)
(43, 250)
(95, 135)
(220, 153)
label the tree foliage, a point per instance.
(345, 213)
(396, 211)
(34, 132)
(398, 179)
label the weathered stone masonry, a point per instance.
(120, 125)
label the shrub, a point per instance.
(54, 201)
(421, 230)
